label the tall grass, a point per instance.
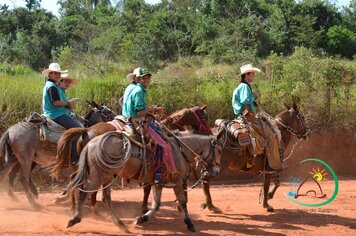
(323, 87)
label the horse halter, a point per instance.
(293, 131)
(203, 126)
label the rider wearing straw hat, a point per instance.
(55, 104)
(244, 106)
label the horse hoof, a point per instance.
(203, 206)
(191, 229)
(215, 210)
(73, 222)
(270, 209)
(144, 210)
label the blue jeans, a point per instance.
(68, 122)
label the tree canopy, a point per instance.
(137, 32)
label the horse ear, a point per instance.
(288, 107)
(204, 107)
(100, 107)
(295, 107)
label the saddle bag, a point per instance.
(240, 132)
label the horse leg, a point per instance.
(275, 187)
(78, 216)
(181, 197)
(146, 194)
(266, 184)
(63, 196)
(107, 203)
(208, 201)
(93, 202)
(12, 175)
(25, 180)
(156, 203)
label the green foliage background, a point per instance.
(306, 49)
(323, 87)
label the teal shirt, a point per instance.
(242, 96)
(50, 110)
(125, 103)
(136, 101)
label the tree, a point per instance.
(33, 4)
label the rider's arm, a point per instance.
(55, 99)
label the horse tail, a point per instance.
(64, 150)
(82, 173)
(5, 148)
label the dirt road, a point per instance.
(242, 214)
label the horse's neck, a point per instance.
(196, 144)
(170, 124)
(286, 135)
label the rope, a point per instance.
(292, 150)
(197, 156)
(107, 161)
(97, 190)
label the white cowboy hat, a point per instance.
(53, 67)
(68, 77)
(248, 68)
(136, 73)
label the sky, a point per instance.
(51, 5)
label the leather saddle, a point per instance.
(238, 129)
(50, 131)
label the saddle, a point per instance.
(238, 129)
(50, 131)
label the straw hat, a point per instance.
(53, 67)
(248, 68)
(68, 77)
(131, 76)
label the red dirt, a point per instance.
(242, 214)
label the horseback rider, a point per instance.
(136, 112)
(55, 104)
(124, 99)
(244, 103)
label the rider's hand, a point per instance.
(158, 110)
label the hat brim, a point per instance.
(47, 71)
(73, 82)
(130, 77)
(144, 75)
(250, 70)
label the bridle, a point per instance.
(291, 130)
(203, 126)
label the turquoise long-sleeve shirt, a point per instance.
(243, 96)
(125, 102)
(136, 101)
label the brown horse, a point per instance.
(290, 123)
(21, 147)
(112, 153)
(186, 119)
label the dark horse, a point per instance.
(21, 147)
(290, 123)
(112, 153)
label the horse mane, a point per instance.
(176, 116)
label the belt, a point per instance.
(136, 119)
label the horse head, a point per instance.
(214, 165)
(194, 118)
(99, 113)
(293, 121)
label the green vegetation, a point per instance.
(306, 50)
(323, 87)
